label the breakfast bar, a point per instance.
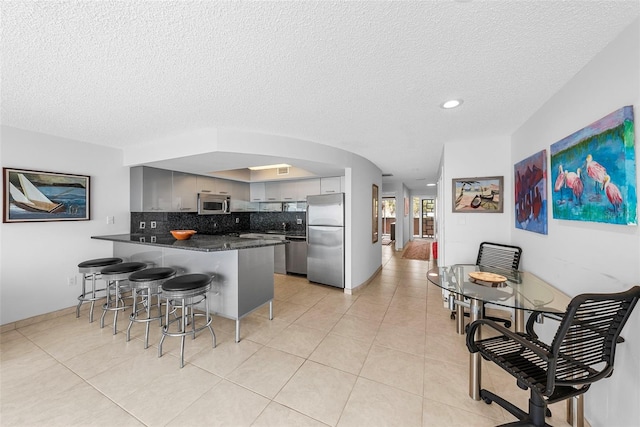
(242, 268)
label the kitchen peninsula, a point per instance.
(242, 268)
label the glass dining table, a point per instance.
(519, 291)
(472, 286)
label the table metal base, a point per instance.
(475, 360)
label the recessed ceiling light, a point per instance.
(431, 184)
(259, 168)
(452, 103)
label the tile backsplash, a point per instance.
(216, 224)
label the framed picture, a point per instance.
(530, 177)
(31, 196)
(374, 214)
(478, 195)
(593, 172)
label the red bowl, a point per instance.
(183, 234)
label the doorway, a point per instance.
(427, 226)
(388, 219)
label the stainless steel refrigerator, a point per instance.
(325, 239)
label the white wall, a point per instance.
(363, 256)
(579, 256)
(465, 231)
(37, 258)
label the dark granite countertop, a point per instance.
(277, 232)
(199, 242)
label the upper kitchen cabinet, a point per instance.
(225, 186)
(257, 191)
(288, 190)
(184, 194)
(240, 190)
(240, 197)
(208, 184)
(308, 187)
(151, 189)
(272, 192)
(330, 185)
(291, 190)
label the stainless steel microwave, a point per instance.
(212, 204)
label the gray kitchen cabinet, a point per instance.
(289, 190)
(211, 185)
(278, 191)
(160, 190)
(224, 186)
(272, 192)
(279, 255)
(257, 191)
(330, 185)
(184, 193)
(240, 197)
(308, 187)
(150, 189)
(206, 184)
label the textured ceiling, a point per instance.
(367, 77)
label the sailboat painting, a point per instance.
(44, 196)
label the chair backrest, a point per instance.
(505, 257)
(588, 333)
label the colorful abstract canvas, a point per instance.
(530, 177)
(593, 172)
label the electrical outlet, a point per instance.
(153, 224)
(142, 225)
(153, 238)
(237, 220)
(299, 221)
(111, 220)
(71, 280)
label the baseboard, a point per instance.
(363, 285)
(36, 319)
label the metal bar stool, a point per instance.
(115, 275)
(184, 292)
(90, 269)
(148, 284)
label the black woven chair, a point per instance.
(581, 352)
(500, 259)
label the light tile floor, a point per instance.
(387, 356)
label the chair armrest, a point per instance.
(520, 339)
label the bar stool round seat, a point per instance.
(115, 275)
(147, 283)
(184, 293)
(90, 269)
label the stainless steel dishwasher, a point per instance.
(296, 254)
